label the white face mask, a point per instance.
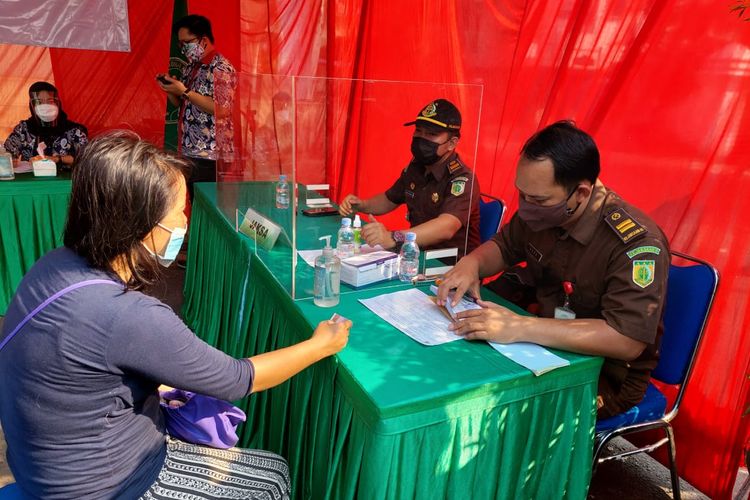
(174, 244)
(47, 112)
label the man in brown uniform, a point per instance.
(580, 241)
(440, 192)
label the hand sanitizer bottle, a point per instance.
(357, 229)
(6, 165)
(327, 277)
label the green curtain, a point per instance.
(176, 63)
(32, 221)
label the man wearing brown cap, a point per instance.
(441, 194)
(598, 265)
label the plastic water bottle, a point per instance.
(345, 244)
(357, 229)
(408, 264)
(327, 284)
(282, 192)
(6, 165)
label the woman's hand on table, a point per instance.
(330, 337)
(493, 322)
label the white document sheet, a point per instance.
(414, 313)
(532, 356)
(309, 256)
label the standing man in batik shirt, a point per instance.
(201, 104)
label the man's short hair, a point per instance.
(197, 25)
(572, 151)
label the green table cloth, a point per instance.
(387, 417)
(32, 220)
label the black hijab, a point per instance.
(47, 133)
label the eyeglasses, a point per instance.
(182, 43)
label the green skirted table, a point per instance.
(32, 220)
(387, 417)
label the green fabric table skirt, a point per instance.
(32, 221)
(387, 417)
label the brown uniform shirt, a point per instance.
(618, 260)
(442, 188)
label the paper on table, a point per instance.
(309, 256)
(413, 312)
(532, 356)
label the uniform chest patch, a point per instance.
(643, 272)
(625, 227)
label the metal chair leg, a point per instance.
(673, 463)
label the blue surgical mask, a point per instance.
(176, 237)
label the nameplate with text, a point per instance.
(263, 231)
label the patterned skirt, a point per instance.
(194, 472)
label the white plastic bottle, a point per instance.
(282, 192)
(357, 230)
(408, 264)
(6, 165)
(327, 284)
(345, 243)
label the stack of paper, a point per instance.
(532, 356)
(418, 316)
(415, 314)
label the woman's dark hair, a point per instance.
(572, 151)
(41, 87)
(122, 187)
(197, 25)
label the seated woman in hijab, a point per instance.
(63, 139)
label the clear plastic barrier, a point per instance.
(329, 138)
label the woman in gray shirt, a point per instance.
(79, 403)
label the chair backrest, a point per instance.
(490, 216)
(690, 294)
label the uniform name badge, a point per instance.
(565, 312)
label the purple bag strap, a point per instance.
(51, 299)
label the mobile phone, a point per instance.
(162, 79)
(320, 211)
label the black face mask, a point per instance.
(425, 151)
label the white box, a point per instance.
(44, 168)
(365, 269)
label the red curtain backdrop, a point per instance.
(661, 85)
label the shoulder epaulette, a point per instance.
(624, 226)
(454, 165)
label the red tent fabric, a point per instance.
(662, 86)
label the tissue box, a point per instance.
(44, 168)
(364, 269)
